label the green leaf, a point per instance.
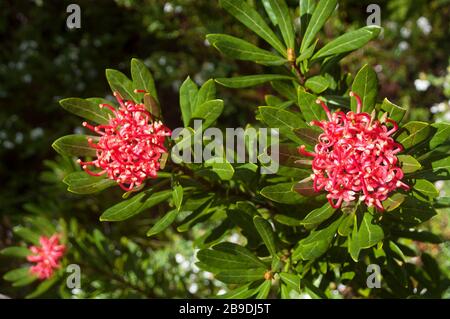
(24, 281)
(305, 187)
(345, 227)
(365, 86)
(320, 15)
(241, 252)
(242, 292)
(243, 50)
(177, 196)
(209, 112)
(252, 20)
(207, 92)
(15, 251)
(393, 201)
(264, 289)
(307, 53)
(142, 78)
(413, 133)
(16, 274)
(395, 112)
(409, 164)
(318, 215)
(163, 222)
(241, 276)
(308, 135)
(43, 287)
(291, 280)
(221, 167)
(426, 188)
(316, 243)
(250, 80)
(135, 205)
(286, 121)
(266, 232)
(317, 84)
(441, 135)
(188, 95)
(306, 11)
(364, 235)
(86, 109)
(83, 183)
(223, 260)
(397, 250)
(419, 235)
(348, 42)
(281, 193)
(119, 82)
(27, 234)
(310, 109)
(74, 145)
(285, 23)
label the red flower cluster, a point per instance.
(46, 256)
(130, 145)
(355, 156)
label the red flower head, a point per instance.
(46, 256)
(356, 157)
(130, 145)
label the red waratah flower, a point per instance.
(355, 157)
(130, 145)
(46, 256)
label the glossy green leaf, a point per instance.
(43, 287)
(318, 215)
(241, 276)
(243, 50)
(206, 92)
(441, 135)
(365, 235)
(188, 98)
(311, 111)
(320, 15)
(163, 222)
(291, 280)
(266, 232)
(393, 201)
(285, 23)
(365, 86)
(413, 133)
(348, 42)
(426, 188)
(27, 234)
(264, 289)
(306, 11)
(243, 292)
(119, 82)
(16, 274)
(208, 111)
(250, 80)
(281, 193)
(286, 121)
(317, 84)
(408, 163)
(74, 145)
(86, 109)
(224, 260)
(83, 183)
(221, 167)
(252, 20)
(142, 78)
(15, 251)
(135, 205)
(395, 112)
(177, 196)
(241, 252)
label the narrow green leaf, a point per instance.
(317, 84)
(250, 80)
(243, 50)
(365, 86)
(15, 251)
(27, 234)
(264, 289)
(142, 78)
(119, 82)
(306, 11)
(409, 164)
(266, 232)
(43, 287)
(177, 196)
(163, 223)
(209, 112)
(16, 274)
(291, 280)
(75, 145)
(395, 112)
(286, 121)
(320, 15)
(83, 183)
(188, 94)
(318, 215)
(86, 109)
(348, 42)
(284, 20)
(310, 109)
(413, 133)
(281, 193)
(252, 20)
(241, 252)
(207, 92)
(241, 276)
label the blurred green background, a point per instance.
(41, 61)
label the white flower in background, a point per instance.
(168, 7)
(421, 85)
(193, 288)
(424, 25)
(402, 46)
(405, 32)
